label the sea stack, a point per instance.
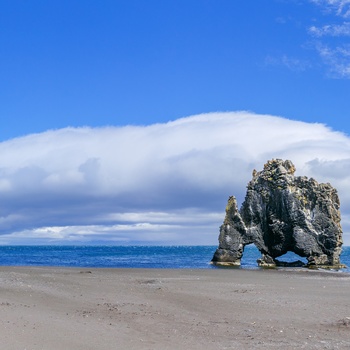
(282, 212)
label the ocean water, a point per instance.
(191, 257)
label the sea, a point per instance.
(169, 257)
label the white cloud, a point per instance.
(337, 59)
(292, 63)
(331, 30)
(330, 44)
(339, 7)
(163, 183)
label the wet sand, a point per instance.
(69, 308)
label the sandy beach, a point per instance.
(69, 308)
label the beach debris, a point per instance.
(344, 322)
(282, 212)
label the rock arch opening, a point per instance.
(250, 256)
(291, 259)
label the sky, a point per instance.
(132, 121)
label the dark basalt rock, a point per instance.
(281, 213)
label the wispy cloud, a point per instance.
(335, 54)
(162, 183)
(292, 63)
(339, 7)
(338, 60)
(331, 30)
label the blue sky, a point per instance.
(73, 63)
(105, 65)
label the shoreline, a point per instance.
(137, 308)
(341, 271)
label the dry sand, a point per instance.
(58, 308)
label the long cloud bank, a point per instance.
(157, 184)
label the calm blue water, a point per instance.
(193, 257)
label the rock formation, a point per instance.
(281, 213)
